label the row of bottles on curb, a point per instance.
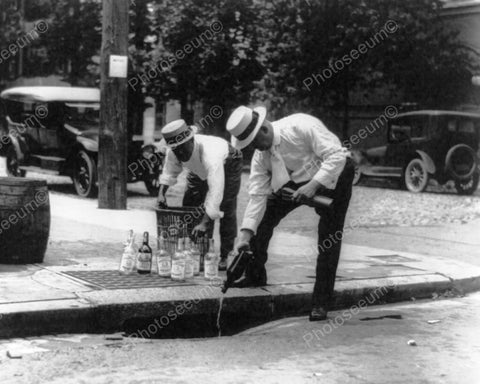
(183, 264)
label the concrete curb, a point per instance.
(211, 314)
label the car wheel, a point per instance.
(357, 175)
(416, 176)
(85, 175)
(467, 187)
(13, 169)
(461, 162)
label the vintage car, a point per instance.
(443, 145)
(56, 129)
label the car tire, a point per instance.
(12, 165)
(85, 174)
(461, 162)
(468, 187)
(416, 176)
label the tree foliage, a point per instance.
(74, 38)
(309, 62)
(206, 51)
(291, 54)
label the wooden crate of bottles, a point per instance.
(177, 222)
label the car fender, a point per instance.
(88, 144)
(428, 162)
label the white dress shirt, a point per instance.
(207, 161)
(309, 151)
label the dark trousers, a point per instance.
(330, 225)
(197, 190)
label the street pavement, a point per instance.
(371, 346)
(385, 258)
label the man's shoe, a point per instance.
(318, 314)
(222, 265)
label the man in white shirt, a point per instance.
(214, 178)
(299, 152)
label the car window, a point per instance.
(466, 126)
(410, 126)
(27, 113)
(452, 125)
(80, 114)
(14, 110)
(418, 126)
(88, 112)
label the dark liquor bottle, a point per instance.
(144, 256)
(236, 270)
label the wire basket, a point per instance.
(176, 222)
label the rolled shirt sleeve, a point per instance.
(259, 189)
(171, 170)
(333, 156)
(216, 185)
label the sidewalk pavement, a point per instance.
(77, 288)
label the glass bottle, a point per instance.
(231, 255)
(164, 259)
(127, 262)
(154, 268)
(211, 262)
(144, 256)
(178, 262)
(189, 267)
(195, 251)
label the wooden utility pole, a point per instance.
(112, 152)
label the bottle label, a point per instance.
(128, 263)
(144, 262)
(211, 269)
(178, 270)
(164, 266)
(189, 268)
(143, 265)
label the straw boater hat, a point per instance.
(244, 124)
(176, 133)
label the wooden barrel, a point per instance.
(24, 220)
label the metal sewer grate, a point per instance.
(111, 279)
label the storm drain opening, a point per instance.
(194, 325)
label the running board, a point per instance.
(39, 170)
(382, 172)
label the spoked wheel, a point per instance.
(416, 176)
(13, 169)
(467, 187)
(85, 175)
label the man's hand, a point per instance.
(307, 191)
(243, 243)
(161, 199)
(201, 228)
